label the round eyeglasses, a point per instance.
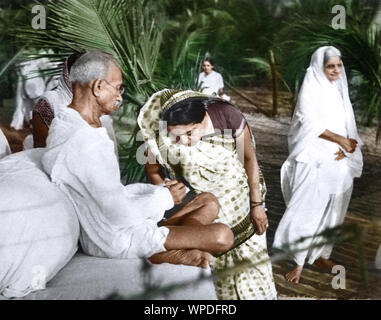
(120, 90)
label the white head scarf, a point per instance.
(306, 125)
(61, 96)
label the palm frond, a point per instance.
(123, 28)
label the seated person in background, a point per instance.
(30, 86)
(121, 221)
(211, 81)
(52, 101)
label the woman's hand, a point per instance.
(340, 155)
(348, 144)
(177, 189)
(259, 219)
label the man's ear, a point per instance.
(96, 87)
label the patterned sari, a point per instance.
(212, 165)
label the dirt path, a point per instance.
(364, 210)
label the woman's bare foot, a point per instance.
(294, 275)
(192, 257)
(325, 264)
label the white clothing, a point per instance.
(310, 211)
(211, 84)
(318, 105)
(4, 146)
(116, 221)
(39, 229)
(315, 186)
(29, 89)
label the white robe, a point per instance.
(116, 221)
(212, 83)
(315, 186)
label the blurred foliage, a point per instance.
(162, 44)
(8, 16)
(302, 33)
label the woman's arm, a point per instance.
(246, 153)
(155, 175)
(348, 144)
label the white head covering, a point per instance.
(307, 123)
(61, 96)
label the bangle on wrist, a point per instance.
(253, 208)
(256, 203)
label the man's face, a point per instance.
(110, 98)
(333, 68)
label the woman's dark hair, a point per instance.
(191, 110)
(210, 60)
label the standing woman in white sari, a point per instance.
(325, 157)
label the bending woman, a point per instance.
(325, 156)
(223, 163)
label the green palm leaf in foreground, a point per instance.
(124, 28)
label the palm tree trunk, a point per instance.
(274, 78)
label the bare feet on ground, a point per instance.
(325, 264)
(294, 275)
(192, 257)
